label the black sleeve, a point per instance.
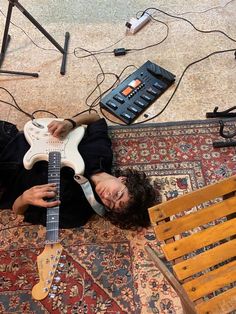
(35, 215)
(71, 215)
(95, 148)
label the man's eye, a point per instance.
(119, 195)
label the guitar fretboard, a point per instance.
(52, 225)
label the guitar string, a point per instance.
(56, 221)
(54, 177)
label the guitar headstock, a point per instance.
(47, 263)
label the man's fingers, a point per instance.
(52, 126)
(50, 193)
(52, 204)
(46, 186)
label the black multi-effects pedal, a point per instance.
(137, 92)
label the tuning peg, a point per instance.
(57, 279)
(54, 288)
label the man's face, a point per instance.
(113, 193)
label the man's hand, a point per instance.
(37, 196)
(59, 129)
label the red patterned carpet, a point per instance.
(106, 269)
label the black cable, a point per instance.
(99, 64)
(100, 51)
(139, 13)
(87, 110)
(207, 10)
(186, 20)
(98, 99)
(94, 103)
(134, 49)
(17, 106)
(43, 110)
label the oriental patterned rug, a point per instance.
(106, 269)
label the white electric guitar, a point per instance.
(58, 153)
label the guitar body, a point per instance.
(42, 142)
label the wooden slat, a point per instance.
(193, 220)
(191, 199)
(205, 260)
(221, 304)
(198, 240)
(211, 281)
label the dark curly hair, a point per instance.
(142, 195)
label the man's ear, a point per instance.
(122, 179)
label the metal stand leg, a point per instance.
(6, 39)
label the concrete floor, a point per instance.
(97, 25)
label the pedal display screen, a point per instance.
(131, 86)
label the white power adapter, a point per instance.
(135, 25)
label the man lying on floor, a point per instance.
(125, 196)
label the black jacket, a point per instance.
(95, 149)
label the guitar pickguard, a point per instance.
(42, 142)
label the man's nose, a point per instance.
(108, 196)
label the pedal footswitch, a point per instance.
(137, 92)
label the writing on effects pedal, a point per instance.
(137, 92)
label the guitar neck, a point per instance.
(52, 224)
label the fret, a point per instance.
(52, 230)
(52, 225)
